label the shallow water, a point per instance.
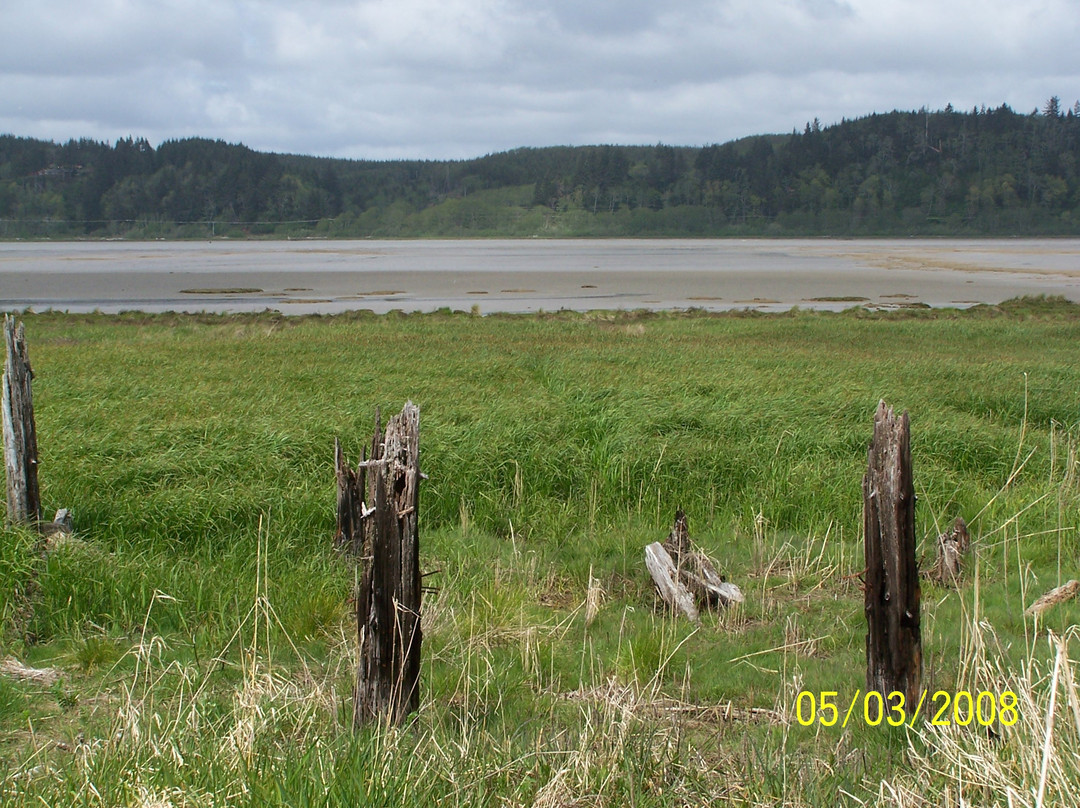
(298, 277)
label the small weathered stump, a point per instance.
(696, 570)
(685, 577)
(388, 601)
(951, 546)
(20, 434)
(893, 639)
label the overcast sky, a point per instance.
(463, 78)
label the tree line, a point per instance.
(980, 172)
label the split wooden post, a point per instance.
(20, 435)
(388, 603)
(355, 496)
(350, 504)
(893, 641)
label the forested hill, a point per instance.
(984, 172)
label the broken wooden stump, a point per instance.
(951, 545)
(61, 525)
(58, 532)
(1054, 597)
(594, 597)
(388, 601)
(696, 570)
(687, 578)
(20, 435)
(893, 639)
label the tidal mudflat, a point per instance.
(303, 277)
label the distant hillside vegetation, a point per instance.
(984, 172)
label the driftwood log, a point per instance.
(10, 666)
(685, 577)
(893, 639)
(1054, 597)
(20, 435)
(665, 574)
(388, 602)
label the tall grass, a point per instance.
(201, 621)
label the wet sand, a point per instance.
(302, 277)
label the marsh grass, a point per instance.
(201, 619)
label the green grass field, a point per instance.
(201, 625)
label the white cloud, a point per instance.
(459, 78)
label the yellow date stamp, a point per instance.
(945, 708)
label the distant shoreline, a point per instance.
(642, 238)
(327, 276)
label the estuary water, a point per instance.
(312, 276)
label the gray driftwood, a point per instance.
(10, 666)
(1054, 597)
(665, 575)
(685, 575)
(20, 435)
(388, 602)
(893, 639)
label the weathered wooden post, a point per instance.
(388, 603)
(893, 641)
(20, 435)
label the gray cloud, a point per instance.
(460, 78)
